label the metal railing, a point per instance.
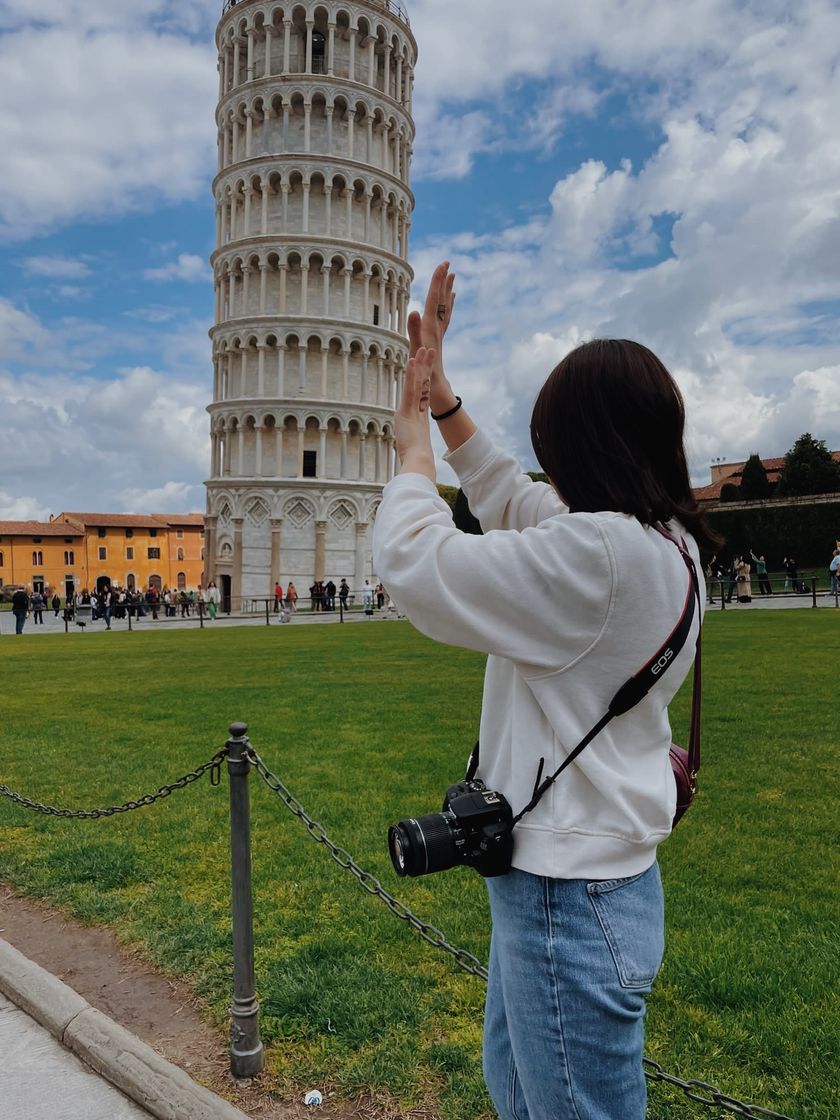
(393, 7)
(730, 591)
(246, 1047)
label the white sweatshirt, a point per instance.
(568, 606)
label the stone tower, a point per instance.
(311, 275)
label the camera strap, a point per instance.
(637, 687)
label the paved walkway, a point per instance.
(53, 625)
(41, 1080)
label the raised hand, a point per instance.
(411, 422)
(428, 330)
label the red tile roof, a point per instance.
(180, 518)
(773, 466)
(112, 520)
(38, 529)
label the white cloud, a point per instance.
(172, 497)
(129, 122)
(187, 267)
(14, 508)
(56, 268)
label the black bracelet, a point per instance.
(450, 412)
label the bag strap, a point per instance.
(638, 686)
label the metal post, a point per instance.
(722, 597)
(246, 1049)
(129, 611)
(267, 619)
(201, 613)
(340, 609)
(813, 591)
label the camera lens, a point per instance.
(422, 844)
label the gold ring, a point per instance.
(441, 311)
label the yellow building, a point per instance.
(42, 556)
(84, 551)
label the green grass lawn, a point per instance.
(370, 723)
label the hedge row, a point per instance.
(808, 533)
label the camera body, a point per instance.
(474, 828)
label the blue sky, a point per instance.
(663, 172)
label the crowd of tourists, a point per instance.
(736, 575)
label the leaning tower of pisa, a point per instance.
(311, 275)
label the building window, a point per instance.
(153, 532)
(182, 581)
(103, 554)
(129, 552)
(68, 540)
(69, 558)
(102, 532)
(130, 581)
(180, 554)
(129, 532)
(376, 314)
(154, 553)
(37, 558)
(310, 464)
(179, 533)
(1, 559)
(38, 584)
(37, 540)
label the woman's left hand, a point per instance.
(411, 422)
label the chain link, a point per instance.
(214, 765)
(471, 964)
(712, 1097)
(367, 881)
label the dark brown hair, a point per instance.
(607, 429)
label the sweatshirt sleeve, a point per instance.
(500, 494)
(540, 597)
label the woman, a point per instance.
(291, 597)
(578, 928)
(213, 599)
(744, 581)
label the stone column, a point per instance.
(263, 287)
(320, 549)
(261, 349)
(352, 67)
(265, 189)
(301, 438)
(209, 548)
(276, 530)
(361, 549)
(325, 354)
(236, 580)
(249, 129)
(343, 467)
(361, 472)
(321, 471)
(268, 37)
(287, 42)
(249, 72)
(258, 451)
(328, 207)
(331, 50)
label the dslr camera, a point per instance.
(474, 828)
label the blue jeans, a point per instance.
(570, 964)
(20, 619)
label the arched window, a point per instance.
(182, 581)
(130, 581)
(37, 558)
(180, 554)
(319, 47)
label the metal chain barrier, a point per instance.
(711, 1097)
(214, 765)
(372, 885)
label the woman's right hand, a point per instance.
(427, 330)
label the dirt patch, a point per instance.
(158, 1009)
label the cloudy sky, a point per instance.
(663, 171)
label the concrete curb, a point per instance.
(119, 1056)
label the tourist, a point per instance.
(789, 565)
(379, 591)
(578, 929)
(316, 595)
(105, 603)
(329, 596)
(38, 603)
(367, 595)
(833, 576)
(291, 596)
(744, 583)
(213, 599)
(278, 597)
(761, 571)
(343, 592)
(56, 604)
(20, 608)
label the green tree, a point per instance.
(729, 492)
(463, 517)
(754, 482)
(448, 493)
(808, 469)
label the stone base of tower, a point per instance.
(266, 533)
